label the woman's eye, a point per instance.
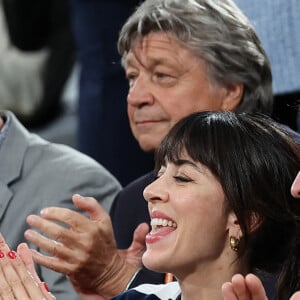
(182, 179)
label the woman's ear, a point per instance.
(233, 97)
(233, 226)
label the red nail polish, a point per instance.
(12, 254)
(46, 286)
(1, 254)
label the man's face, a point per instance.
(166, 83)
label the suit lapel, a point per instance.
(12, 152)
(5, 196)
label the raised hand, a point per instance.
(244, 288)
(84, 248)
(19, 279)
(247, 288)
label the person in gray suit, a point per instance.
(36, 173)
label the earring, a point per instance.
(234, 243)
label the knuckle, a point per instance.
(6, 292)
(88, 245)
(55, 251)
(26, 279)
(14, 283)
(73, 268)
(59, 235)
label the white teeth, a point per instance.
(162, 222)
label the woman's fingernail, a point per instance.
(46, 286)
(1, 254)
(12, 254)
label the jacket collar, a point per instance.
(13, 149)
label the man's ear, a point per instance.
(233, 96)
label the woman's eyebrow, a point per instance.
(181, 162)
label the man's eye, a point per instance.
(182, 179)
(162, 75)
(130, 76)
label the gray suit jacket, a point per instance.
(35, 174)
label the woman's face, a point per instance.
(190, 228)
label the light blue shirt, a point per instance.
(277, 23)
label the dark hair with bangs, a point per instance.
(256, 162)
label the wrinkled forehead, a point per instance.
(155, 42)
(159, 37)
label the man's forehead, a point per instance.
(158, 41)
(156, 48)
(148, 59)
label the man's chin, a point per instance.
(147, 147)
(149, 141)
(148, 144)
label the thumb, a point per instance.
(90, 205)
(138, 243)
(133, 255)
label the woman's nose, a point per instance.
(156, 191)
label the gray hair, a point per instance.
(219, 34)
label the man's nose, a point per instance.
(140, 93)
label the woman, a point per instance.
(221, 205)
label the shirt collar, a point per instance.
(4, 130)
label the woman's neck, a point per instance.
(200, 292)
(206, 283)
